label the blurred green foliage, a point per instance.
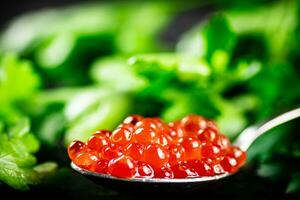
(99, 63)
(17, 162)
(67, 40)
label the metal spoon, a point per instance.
(153, 185)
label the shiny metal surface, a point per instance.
(150, 180)
(249, 135)
(154, 185)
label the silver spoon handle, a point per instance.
(249, 135)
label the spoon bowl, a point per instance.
(185, 185)
(153, 185)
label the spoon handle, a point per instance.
(249, 135)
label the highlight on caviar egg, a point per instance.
(150, 148)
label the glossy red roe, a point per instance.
(177, 154)
(150, 148)
(134, 150)
(74, 148)
(156, 155)
(210, 150)
(163, 140)
(101, 166)
(201, 167)
(223, 142)
(122, 166)
(191, 124)
(147, 123)
(218, 168)
(238, 154)
(133, 119)
(144, 170)
(128, 127)
(183, 170)
(103, 132)
(144, 134)
(86, 159)
(111, 152)
(229, 164)
(98, 141)
(164, 172)
(121, 136)
(192, 148)
(208, 134)
(176, 131)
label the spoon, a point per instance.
(153, 185)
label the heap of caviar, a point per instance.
(149, 148)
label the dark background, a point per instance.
(181, 23)
(11, 8)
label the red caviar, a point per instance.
(149, 148)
